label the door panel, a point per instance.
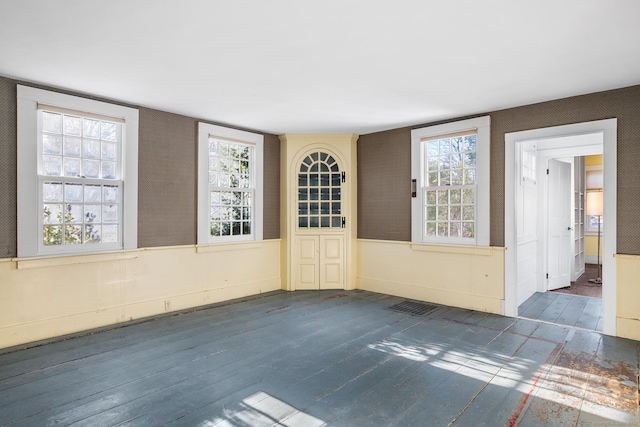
(308, 262)
(320, 262)
(332, 262)
(560, 249)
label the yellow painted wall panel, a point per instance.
(628, 328)
(459, 276)
(79, 293)
(627, 291)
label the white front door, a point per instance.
(319, 249)
(560, 251)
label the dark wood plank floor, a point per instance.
(332, 358)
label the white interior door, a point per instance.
(559, 215)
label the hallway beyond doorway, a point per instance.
(563, 309)
(583, 286)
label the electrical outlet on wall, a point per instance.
(167, 305)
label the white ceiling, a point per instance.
(323, 66)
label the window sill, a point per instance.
(28, 263)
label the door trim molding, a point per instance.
(608, 128)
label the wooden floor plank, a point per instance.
(338, 358)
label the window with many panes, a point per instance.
(74, 155)
(80, 178)
(230, 185)
(451, 164)
(231, 189)
(319, 192)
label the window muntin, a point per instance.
(450, 164)
(74, 157)
(319, 192)
(79, 185)
(230, 187)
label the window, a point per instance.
(450, 163)
(319, 192)
(594, 184)
(229, 184)
(75, 155)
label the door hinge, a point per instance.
(547, 171)
(344, 177)
(547, 275)
(344, 222)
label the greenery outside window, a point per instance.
(451, 166)
(229, 185)
(75, 154)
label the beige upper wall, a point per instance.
(166, 176)
(384, 162)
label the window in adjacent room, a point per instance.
(230, 185)
(450, 163)
(77, 179)
(594, 183)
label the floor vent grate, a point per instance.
(414, 308)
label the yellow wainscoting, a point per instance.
(48, 297)
(459, 276)
(627, 291)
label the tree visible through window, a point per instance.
(230, 184)
(450, 186)
(231, 192)
(450, 166)
(79, 175)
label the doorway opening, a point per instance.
(543, 245)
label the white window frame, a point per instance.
(481, 229)
(29, 141)
(206, 130)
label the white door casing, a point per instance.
(559, 217)
(573, 136)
